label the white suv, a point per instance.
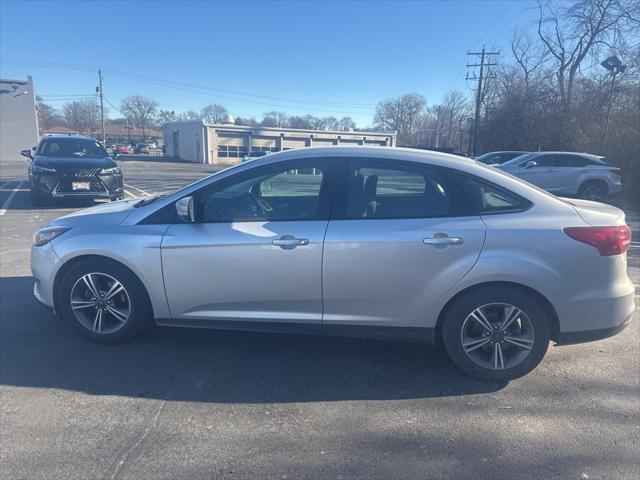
(565, 173)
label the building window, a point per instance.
(231, 151)
(262, 150)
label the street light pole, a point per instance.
(614, 65)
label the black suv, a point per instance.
(73, 166)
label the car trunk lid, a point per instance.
(597, 214)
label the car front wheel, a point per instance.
(104, 300)
(496, 333)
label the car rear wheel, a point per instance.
(104, 300)
(596, 191)
(496, 333)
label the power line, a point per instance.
(200, 89)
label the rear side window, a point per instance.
(401, 190)
(488, 198)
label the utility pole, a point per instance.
(484, 62)
(101, 105)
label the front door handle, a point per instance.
(443, 239)
(290, 241)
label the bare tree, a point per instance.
(274, 119)
(572, 31)
(189, 115)
(400, 114)
(142, 110)
(82, 115)
(345, 124)
(48, 116)
(166, 116)
(214, 114)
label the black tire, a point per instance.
(36, 200)
(454, 320)
(593, 190)
(140, 311)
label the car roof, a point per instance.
(588, 155)
(63, 136)
(505, 151)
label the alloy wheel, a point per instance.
(100, 303)
(497, 336)
(593, 192)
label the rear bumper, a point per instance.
(569, 338)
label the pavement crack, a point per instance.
(127, 455)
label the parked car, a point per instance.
(152, 144)
(357, 241)
(141, 149)
(566, 173)
(123, 149)
(72, 167)
(498, 158)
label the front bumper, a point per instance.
(55, 185)
(43, 267)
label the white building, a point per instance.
(18, 118)
(226, 144)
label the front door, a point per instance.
(255, 252)
(401, 243)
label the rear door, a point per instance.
(398, 241)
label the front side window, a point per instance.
(279, 192)
(384, 190)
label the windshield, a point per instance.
(72, 147)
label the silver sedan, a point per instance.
(360, 241)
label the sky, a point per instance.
(322, 58)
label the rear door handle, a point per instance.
(290, 241)
(443, 240)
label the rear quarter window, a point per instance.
(488, 198)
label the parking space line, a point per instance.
(129, 193)
(8, 201)
(138, 189)
(5, 184)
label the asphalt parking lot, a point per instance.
(208, 405)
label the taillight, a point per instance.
(608, 240)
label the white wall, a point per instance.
(191, 144)
(18, 120)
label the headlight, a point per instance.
(115, 170)
(46, 234)
(39, 169)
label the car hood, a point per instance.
(75, 162)
(597, 214)
(112, 213)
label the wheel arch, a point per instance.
(551, 314)
(599, 181)
(80, 258)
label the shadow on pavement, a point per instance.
(40, 351)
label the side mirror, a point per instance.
(531, 164)
(185, 209)
(26, 153)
